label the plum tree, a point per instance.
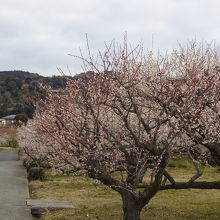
(128, 115)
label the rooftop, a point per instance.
(8, 117)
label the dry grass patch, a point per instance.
(94, 201)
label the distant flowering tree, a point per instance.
(126, 116)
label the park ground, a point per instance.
(93, 201)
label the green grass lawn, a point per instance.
(94, 201)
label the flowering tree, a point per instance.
(120, 118)
(193, 96)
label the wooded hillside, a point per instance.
(17, 88)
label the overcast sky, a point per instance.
(38, 35)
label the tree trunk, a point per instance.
(132, 206)
(214, 149)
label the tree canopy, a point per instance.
(131, 114)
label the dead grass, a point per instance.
(8, 138)
(94, 201)
(9, 131)
(7, 148)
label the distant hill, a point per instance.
(18, 74)
(17, 89)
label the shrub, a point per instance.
(36, 173)
(21, 119)
(11, 141)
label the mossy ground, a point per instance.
(94, 201)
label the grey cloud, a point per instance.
(38, 35)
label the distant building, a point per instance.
(7, 120)
(2, 122)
